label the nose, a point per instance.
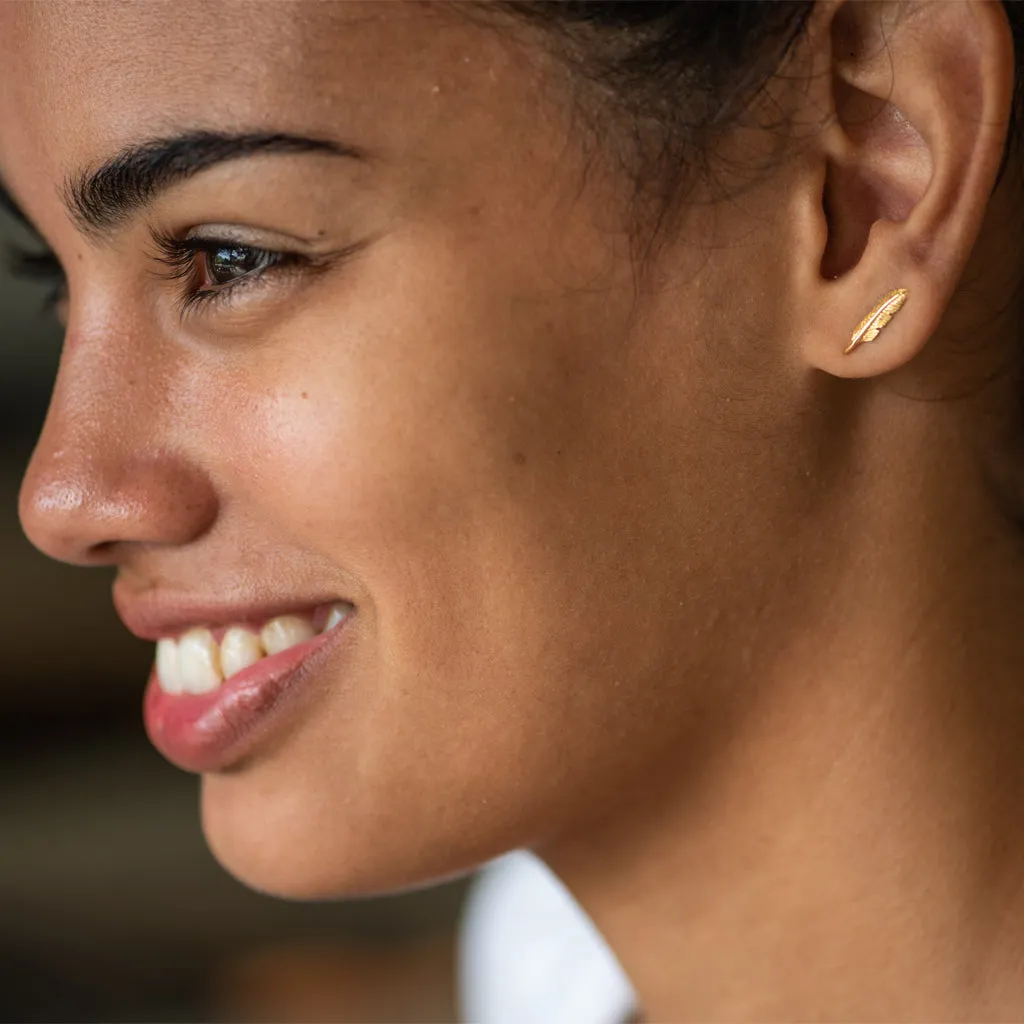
(104, 478)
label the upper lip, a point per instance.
(153, 615)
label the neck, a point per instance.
(851, 846)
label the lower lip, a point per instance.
(217, 730)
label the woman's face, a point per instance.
(455, 404)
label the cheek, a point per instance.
(442, 463)
(379, 434)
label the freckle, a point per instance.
(519, 458)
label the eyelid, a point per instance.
(253, 237)
(179, 255)
(46, 267)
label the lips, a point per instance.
(199, 660)
(217, 692)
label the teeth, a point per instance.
(338, 612)
(285, 631)
(168, 666)
(239, 649)
(197, 664)
(200, 662)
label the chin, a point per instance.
(293, 844)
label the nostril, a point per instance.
(52, 514)
(86, 511)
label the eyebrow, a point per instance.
(104, 198)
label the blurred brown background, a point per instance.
(111, 908)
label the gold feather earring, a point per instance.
(884, 310)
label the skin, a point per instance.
(649, 575)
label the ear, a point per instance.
(919, 96)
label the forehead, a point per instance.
(79, 80)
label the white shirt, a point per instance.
(528, 954)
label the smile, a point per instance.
(217, 694)
(201, 659)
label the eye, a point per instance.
(222, 265)
(39, 266)
(213, 268)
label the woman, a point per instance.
(480, 390)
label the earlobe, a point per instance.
(920, 95)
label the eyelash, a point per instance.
(37, 266)
(178, 255)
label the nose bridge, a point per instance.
(106, 470)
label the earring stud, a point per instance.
(884, 310)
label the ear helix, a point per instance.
(882, 312)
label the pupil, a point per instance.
(228, 263)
